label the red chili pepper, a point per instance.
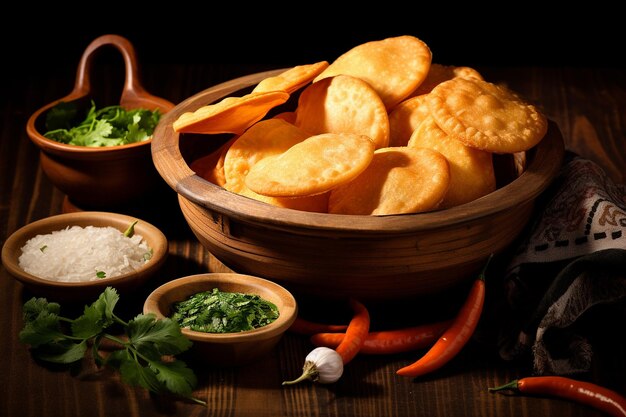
(306, 327)
(456, 336)
(388, 342)
(587, 393)
(356, 333)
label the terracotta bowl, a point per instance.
(99, 178)
(83, 291)
(227, 349)
(370, 257)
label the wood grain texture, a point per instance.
(587, 104)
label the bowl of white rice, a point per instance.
(75, 256)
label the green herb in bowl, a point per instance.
(224, 312)
(108, 126)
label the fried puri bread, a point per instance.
(486, 116)
(394, 66)
(313, 166)
(230, 115)
(471, 170)
(343, 104)
(399, 180)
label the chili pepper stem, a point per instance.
(513, 385)
(484, 270)
(309, 371)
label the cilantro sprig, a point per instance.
(140, 360)
(109, 126)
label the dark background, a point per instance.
(223, 37)
(514, 33)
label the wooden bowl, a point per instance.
(369, 257)
(227, 349)
(83, 291)
(104, 177)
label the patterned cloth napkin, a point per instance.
(568, 274)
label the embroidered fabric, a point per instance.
(567, 273)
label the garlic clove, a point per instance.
(323, 365)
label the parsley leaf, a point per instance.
(140, 359)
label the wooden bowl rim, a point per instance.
(543, 167)
(215, 279)
(12, 247)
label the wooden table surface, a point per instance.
(588, 105)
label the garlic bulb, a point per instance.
(323, 365)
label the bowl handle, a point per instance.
(133, 94)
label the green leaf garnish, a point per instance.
(45, 329)
(140, 358)
(101, 274)
(109, 126)
(224, 312)
(146, 330)
(43, 248)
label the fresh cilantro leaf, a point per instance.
(96, 136)
(164, 334)
(91, 116)
(64, 352)
(117, 357)
(134, 373)
(35, 306)
(88, 325)
(136, 134)
(140, 359)
(107, 302)
(109, 126)
(96, 317)
(175, 376)
(60, 135)
(95, 351)
(223, 312)
(45, 329)
(114, 114)
(149, 351)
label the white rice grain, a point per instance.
(77, 254)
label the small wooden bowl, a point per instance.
(227, 349)
(369, 257)
(102, 177)
(83, 291)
